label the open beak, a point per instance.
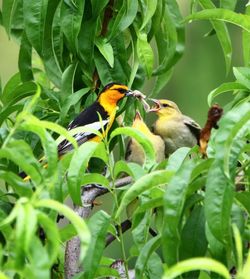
(137, 115)
(156, 106)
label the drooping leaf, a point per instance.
(193, 238)
(156, 178)
(144, 255)
(8, 11)
(240, 20)
(196, 264)
(78, 223)
(173, 205)
(77, 168)
(149, 8)
(145, 53)
(25, 59)
(242, 75)
(22, 91)
(222, 34)
(225, 87)
(246, 42)
(71, 19)
(140, 138)
(228, 145)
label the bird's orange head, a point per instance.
(112, 93)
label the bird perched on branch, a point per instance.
(135, 151)
(97, 117)
(176, 129)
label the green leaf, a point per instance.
(67, 87)
(8, 12)
(176, 159)
(121, 69)
(106, 50)
(71, 19)
(21, 154)
(228, 144)
(77, 221)
(78, 164)
(156, 178)
(146, 251)
(50, 59)
(94, 178)
(148, 9)
(25, 59)
(170, 38)
(98, 225)
(12, 83)
(196, 264)
(228, 4)
(22, 91)
(34, 125)
(97, 7)
(72, 100)
(20, 187)
(222, 34)
(34, 13)
(52, 236)
(240, 20)
(246, 42)
(174, 199)
(7, 111)
(145, 53)
(244, 199)
(242, 75)
(193, 237)
(225, 87)
(107, 272)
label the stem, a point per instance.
(113, 192)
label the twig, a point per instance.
(88, 195)
(126, 225)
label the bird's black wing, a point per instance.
(91, 117)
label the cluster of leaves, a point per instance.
(199, 208)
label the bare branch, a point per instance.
(88, 195)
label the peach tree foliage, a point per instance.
(198, 207)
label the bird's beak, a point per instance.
(137, 115)
(156, 107)
(129, 92)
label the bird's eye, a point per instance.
(165, 105)
(122, 90)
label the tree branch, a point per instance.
(88, 195)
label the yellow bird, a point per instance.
(135, 151)
(176, 129)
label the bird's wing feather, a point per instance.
(193, 126)
(84, 136)
(94, 118)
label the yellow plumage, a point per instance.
(135, 152)
(176, 129)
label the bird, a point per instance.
(177, 129)
(134, 152)
(98, 117)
